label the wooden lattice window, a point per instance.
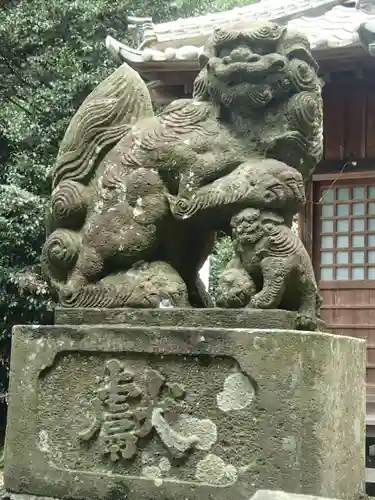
(347, 232)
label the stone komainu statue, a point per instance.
(137, 198)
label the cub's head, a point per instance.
(251, 225)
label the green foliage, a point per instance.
(220, 5)
(222, 254)
(197, 8)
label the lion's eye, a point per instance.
(224, 53)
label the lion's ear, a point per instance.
(295, 45)
(200, 86)
(203, 60)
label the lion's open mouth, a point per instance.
(250, 235)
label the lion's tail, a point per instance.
(103, 119)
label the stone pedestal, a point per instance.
(191, 405)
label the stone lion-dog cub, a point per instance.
(271, 269)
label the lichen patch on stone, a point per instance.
(152, 471)
(238, 393)
(205, 430)
(43, 441)
(213, 470)
(164, 464)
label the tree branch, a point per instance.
(27, 111)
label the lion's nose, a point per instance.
(276, 62)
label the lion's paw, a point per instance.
(260, 301)
(307, 322)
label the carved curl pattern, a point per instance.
(145, 285)
(59, 254)
(69, 202)
(106, 296)
(302, 76)
(62, 247)
(268, 33)
(302, 111)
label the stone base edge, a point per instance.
(7, 495)
(259, 495)
(197, 318)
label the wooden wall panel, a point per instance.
(349, 121)
(370, 375)
(355, 124)
(306, 226)
(370, 125)
(334, 123)
(371, 354)
(351, 312)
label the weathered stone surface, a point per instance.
(208, 318)
(259, 495)
(7, 495)
(184, 413)
(282, 495)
